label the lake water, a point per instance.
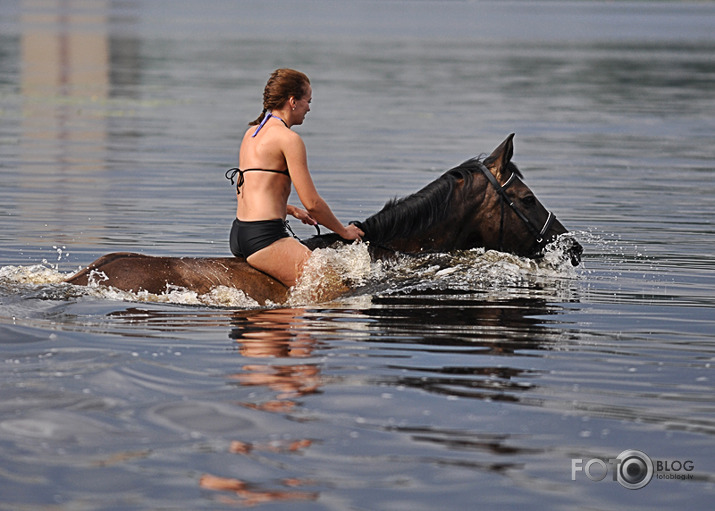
(456, 381)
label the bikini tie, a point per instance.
(231, 173)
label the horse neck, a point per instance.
(441, 237)
(417, 224)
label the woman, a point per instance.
(271, 157)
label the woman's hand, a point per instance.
(352, 232)
(301, 215)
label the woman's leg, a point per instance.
(283, 259)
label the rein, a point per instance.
(539, 241)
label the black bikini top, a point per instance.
(231, 174)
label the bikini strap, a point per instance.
(231, 174)
(263, 122)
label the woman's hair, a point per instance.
(282, 84)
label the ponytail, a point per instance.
(259, 119)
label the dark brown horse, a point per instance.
(477, 204)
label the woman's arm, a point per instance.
(318, 209)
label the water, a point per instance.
(453, 381)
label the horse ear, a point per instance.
(501, 156)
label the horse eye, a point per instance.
(529, 201)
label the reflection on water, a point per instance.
(64, 86)
(263, 338)
(491, 328)
(281, 353)
(276, 334)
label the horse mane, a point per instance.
(412, 215)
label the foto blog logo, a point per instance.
(632, 469)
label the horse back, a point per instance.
(155, 274)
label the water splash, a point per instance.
(61, 251)
(349, 272)
(474, 270)
(33, 274)
(333, 272)
(27, 280)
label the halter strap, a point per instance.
(505, 199)
(265, 119)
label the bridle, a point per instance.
(539, 240)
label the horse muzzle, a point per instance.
(573, 250)
(566, 245)
(556, 236)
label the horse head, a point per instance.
(509, 217)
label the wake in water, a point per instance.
(330, 274)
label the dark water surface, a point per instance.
(455, 381)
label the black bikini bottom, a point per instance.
(249, 237)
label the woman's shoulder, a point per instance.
(291, 140)
(278, 137)
(249, 131)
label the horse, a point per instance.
(480, 203)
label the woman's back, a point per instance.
(265, 183)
